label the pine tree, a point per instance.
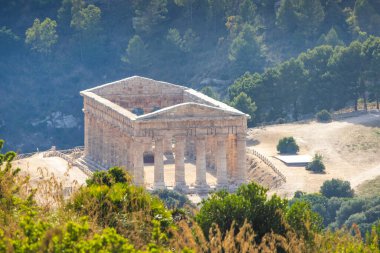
(42, 36)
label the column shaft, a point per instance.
(117, 146)
(241, 158)
(99, 138)
(159, 181)
(221, 162)
(96, 140)
(124, 153)
(112, 153)
(106, 143)
(179, 151)
(138, 170)
(90, 153)
(86, 133)
(200, 181)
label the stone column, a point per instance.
(90, 153)
(241, 167)
(159, 181)
(231, 158)
(179, 152)
(130, 156)
(200, 181)
(124, 151)
(86, 133)
(95, 140)
(112, 138)
(118, 147)
(138, 169)
(221, 161)
(100, 142)
(105, 144)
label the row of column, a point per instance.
(238, 175)
(108, 146)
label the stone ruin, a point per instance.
(137, 120)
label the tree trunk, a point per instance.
(377, 100)
(356, 104)
(365, 101)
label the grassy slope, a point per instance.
(369, 188)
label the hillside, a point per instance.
(53, 49)
(350, 149)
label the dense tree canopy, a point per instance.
(321, 78)
(187, 42)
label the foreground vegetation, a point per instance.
(112, 215)
(338, 207)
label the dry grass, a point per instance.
(369, 188)
(350, 147)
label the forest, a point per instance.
(110, 214)
(283, 59)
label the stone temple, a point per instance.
(136, 121)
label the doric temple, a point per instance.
(139, 120)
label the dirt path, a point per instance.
(350, 147)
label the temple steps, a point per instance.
(91, 165)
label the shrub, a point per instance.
(337, 188)
(172, 199)
(303, 220)
(249, 203)
(287, 145)
(323, 116)
(280, 121)
(317, 164)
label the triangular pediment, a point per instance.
(136, 85)
(189, 110)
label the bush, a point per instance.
(172, 199)
(323, 116)
(337, 188)
(250, 203)
(280, 121)
(287, 145)
(317, 164)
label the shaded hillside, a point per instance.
(50, 50)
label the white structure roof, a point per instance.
(295, 159)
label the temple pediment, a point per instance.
(190, 110)
(136, 85)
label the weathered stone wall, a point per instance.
(191, 125)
